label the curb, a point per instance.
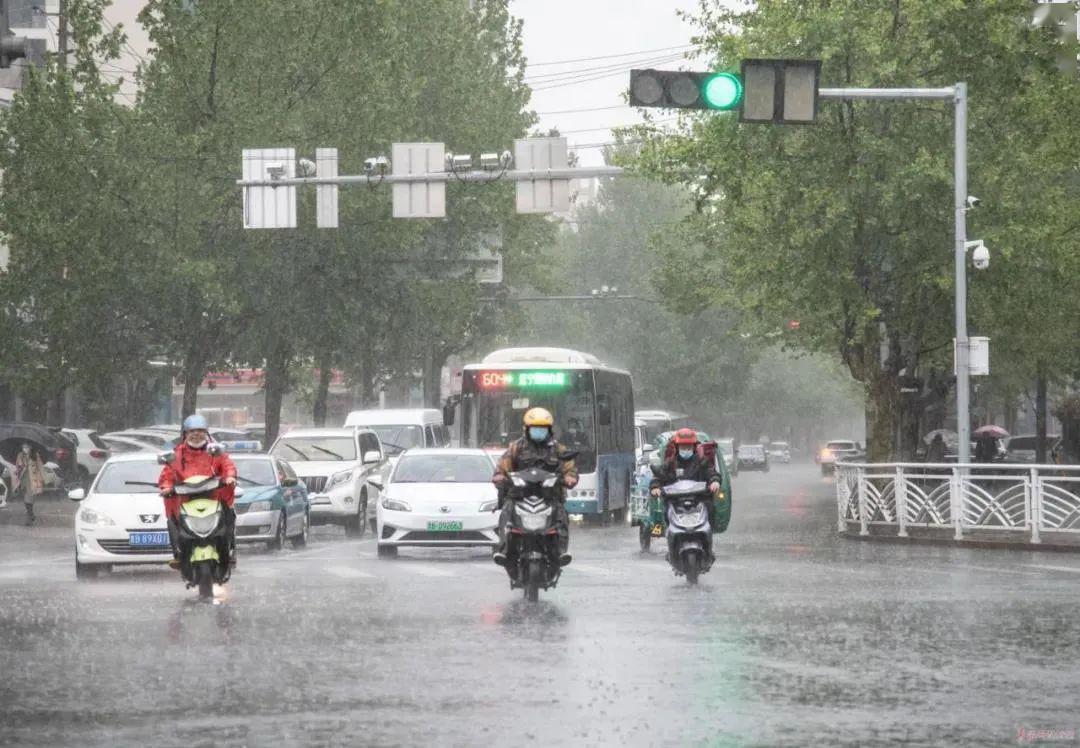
(1007, 545)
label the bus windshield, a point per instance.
(494, 408)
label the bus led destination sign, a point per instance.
(521, 379)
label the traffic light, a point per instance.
(781, 92)
(11, 46)
(681, 89)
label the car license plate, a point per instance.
(142, 539)
(445, 526)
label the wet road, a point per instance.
(796, 637)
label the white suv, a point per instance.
(335, 464)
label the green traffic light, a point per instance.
(722, 91)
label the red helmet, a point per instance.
(685, 436)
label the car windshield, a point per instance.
(398, 438)
(129, 477)
(779, 445)
(444, 469)
(316, 448)
(751, 450)
(256, 472)
(841, 445)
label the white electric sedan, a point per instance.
(438, 497)
(121, 520)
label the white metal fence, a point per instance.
(1029, 498)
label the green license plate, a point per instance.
(449, 526)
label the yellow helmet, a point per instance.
(539, 417)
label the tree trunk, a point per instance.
(193, 372)
(1040, 415)
(275, 382)
(882, 416)
(318, 414)
(433, 363)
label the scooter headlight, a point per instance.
(691, 519)
(201, 526)
(534, 522)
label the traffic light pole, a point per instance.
(958, 95)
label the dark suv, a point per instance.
(51, 445)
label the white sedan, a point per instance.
(438, 498)
(121, 520)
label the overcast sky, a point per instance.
(572, 29)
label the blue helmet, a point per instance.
(191, 423)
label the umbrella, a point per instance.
(948, 436)
(990, 431)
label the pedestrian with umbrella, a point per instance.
(986, 442)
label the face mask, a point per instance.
(686, 454)
(538, 433)
(197, 441)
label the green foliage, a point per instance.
(847, 225)
(135, 214)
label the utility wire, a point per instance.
(646, 62)
(608, 57)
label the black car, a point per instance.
(51, 445)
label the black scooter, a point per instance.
(532, 538)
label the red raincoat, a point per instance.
(190, 462)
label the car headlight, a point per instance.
(395, 506)
(340, 478)
(92, 517)
(489, 506)
(261, 506)
(201, 526)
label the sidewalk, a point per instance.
(52, 510)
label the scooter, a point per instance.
(203, 535)
(689, 535)
(533, 541)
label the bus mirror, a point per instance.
(448, 413)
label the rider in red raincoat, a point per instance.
(194, 457)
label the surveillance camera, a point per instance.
(980, 257)
(305, 167)
(370, 164)
(973, 202)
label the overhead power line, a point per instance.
(624, 65)
(608, 57)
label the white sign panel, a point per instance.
(978, 356)
(541, 195)
(269, 207)
(419, 199)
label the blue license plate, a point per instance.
(143, 539)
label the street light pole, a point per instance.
(963, 370)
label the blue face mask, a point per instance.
(686, 454)
(538, 433)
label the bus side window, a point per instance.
(603, 409)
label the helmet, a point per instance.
(538, 417)
(196, 422)
(685, 436)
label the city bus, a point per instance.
(593, 407)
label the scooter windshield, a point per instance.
(686, 488)
(194, 489)
(534, 475)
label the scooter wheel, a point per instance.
(532, 581)
(693, 567)
(204, 578)
(645, 537)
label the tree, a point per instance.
(847, 225)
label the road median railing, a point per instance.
(977, 499)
